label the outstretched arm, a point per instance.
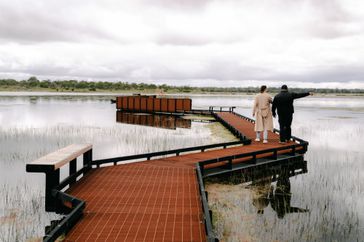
(298, 210)
(299, 95)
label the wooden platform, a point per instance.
(156, 200)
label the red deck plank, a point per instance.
(155, 200)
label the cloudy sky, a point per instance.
(194, 42)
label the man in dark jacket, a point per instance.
(283, 102)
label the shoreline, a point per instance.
(111, 93)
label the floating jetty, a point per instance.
(160, 196)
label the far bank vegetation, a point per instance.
(33, 84)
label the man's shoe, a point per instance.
(265, 141)
(257, 140)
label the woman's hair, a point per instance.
(262, 88)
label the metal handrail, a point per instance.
(232, 129)
(253, 154)
(205, 207)
(221, 108)
(177, 152)
(70, 219)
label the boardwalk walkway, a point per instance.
(156, 200)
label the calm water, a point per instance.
(333, 188)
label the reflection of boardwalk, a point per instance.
(156, 200)
(153, 120)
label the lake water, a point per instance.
(32, 125)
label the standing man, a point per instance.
(283, 102)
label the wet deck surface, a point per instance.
(155, 200)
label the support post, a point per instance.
(275, 155)
(73, 169)
(52, 181)
(293, 150)
(87, 159)
(254, 159)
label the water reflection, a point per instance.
(154, 120)
(278, 196)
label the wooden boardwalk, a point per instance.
(156, 200)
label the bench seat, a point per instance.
(59, 158)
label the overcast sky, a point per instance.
(195, 42)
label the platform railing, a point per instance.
(266, 153)
(221, 108)
(176, 152)
(232, 129)
(76, 211)
(207, 213)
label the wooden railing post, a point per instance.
(52, 181)
(73, 170)
(87, 159)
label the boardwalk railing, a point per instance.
(205, 207)
(66, 224)
(222, 108)
(254, 155)
(176, 152)
(232, 129)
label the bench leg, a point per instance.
(73, 170)
(52, 181)
(87, 159)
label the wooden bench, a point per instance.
(51, 163)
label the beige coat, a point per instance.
(262, 112)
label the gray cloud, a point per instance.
(46, 22)
(179, 4)
(303, 40)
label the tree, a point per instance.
(32, 82)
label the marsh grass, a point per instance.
(22, 217)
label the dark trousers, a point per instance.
(285, 122)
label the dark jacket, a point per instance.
(283, 102)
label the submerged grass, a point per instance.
(22, 217)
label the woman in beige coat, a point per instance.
(263, 114)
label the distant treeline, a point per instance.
(73, 85)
